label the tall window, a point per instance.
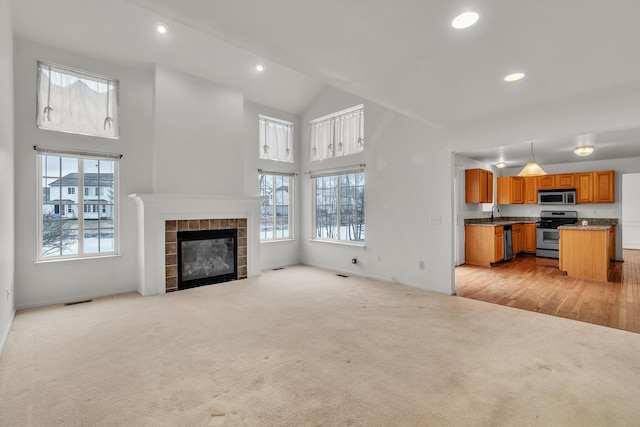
(275, 210)
(275, 139)
(72, 225)
(339, 206)
(77, 102)
(338, 134)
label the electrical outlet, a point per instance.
(378, 258)
(421, 265)
(354, 260)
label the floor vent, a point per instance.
(279, 268)
(77, 302)
(341, 275)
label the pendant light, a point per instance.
(532, 168)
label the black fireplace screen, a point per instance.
(206, 257)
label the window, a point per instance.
(339, 206)
(275, 210)
(89, 227)
(71, 190)
(275, 139)
(336, 135)
(87, 191)
(77, 102)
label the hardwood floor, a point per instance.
(536, 284)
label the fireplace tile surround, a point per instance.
(172, 227)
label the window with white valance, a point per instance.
(336, 135)
(275, 139)
(77, 102)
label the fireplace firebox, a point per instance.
(206, 257)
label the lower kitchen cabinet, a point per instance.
(516, 238)
(612, 243)
(529, 238)
(483, 244)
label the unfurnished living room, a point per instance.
(296, 213)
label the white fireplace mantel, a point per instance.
(156, 208)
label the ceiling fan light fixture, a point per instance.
(501, 165)
(583, 150)
(532, 168)
(514, 77)
(162, 28)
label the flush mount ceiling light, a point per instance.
(532, 168)
(162, 28)
(514, 77)
(501, 165)
(259, 67)
(583, 150)
(465, 20)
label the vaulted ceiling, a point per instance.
(403, 55)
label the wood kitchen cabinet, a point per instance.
(547, 182)
(530, 190)
(478, 186)
(565, 180)
(584, 187)
(516, 238)
(510, 190)
(612, 243)
(529, 238)
(484, 244)
(604, 187)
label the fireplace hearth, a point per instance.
(206, 257)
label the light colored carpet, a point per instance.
(302, 347)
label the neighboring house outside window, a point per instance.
(339, 206)
(75, 227)
(275, 210)
(75, 101)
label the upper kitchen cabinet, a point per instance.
(595, 187)
(553, 182)
(566, 180)
(547, 182)
(510, 190)
(530, 190)
(478, 186)
(604, 187)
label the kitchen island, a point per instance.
(584, 251)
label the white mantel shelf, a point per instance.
(156, 208)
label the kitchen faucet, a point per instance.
(494, 206)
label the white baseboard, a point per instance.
(5, 333)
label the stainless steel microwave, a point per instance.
(557, 197)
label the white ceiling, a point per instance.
(403, 54)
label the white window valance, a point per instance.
(275, 139)
(336, 135)
(77, 102)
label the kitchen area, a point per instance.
(501, 238)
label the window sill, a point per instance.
(277, 240)
(339, 242)
(49, 261)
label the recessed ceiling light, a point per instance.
(465, 20)
(500, 165)
(514, 77)
(259, 67)
(162, 28)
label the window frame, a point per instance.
(314, 198)
(82, 206)
(291, 189)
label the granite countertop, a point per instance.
(585, 227)
(486, 222)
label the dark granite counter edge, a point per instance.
(533, 219)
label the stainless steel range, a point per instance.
(547, 233)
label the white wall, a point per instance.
(7, 218)
(198, 147)
(53, 282)
(275, 253)
(408, 182)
